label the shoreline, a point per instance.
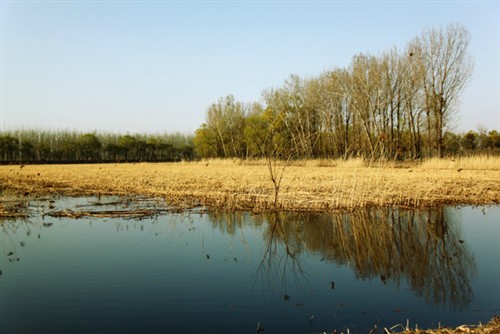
(235, 185)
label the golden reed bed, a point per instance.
(314, 185)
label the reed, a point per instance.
(12, 208)
(492, 327)
(469, 163)
(245, 184)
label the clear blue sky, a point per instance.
(155, 66)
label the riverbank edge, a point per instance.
(225, 185)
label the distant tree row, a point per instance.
(32, 146)
(482, 142)
(397, 105)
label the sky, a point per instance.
(156, 66)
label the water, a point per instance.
(227, 273)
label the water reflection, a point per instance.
(421, 247)
(14, 235)
(281, 256)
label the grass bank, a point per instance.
(313, 185)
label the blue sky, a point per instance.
(155, 66)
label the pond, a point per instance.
(243, 273)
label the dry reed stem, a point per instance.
(129, 214)
(492, 327)
(245, 185)
(12, 208)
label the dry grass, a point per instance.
(315, 185)
(493, 327)
(474, 163)
(12, 208)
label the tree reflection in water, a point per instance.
(281, 254)
(422, 247)
(14, 233)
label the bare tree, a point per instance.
(413, 96)
(396, 105)
(446, 66)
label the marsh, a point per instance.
(235, 272)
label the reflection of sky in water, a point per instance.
(481, 230)
(180, 273)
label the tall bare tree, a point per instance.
(446, 66)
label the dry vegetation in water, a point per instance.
(492, 327)
(12, 208)
(313, 185)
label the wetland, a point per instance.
(246, 185)
(134, 264)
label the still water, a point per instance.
(239, 272)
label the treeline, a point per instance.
(397, 105)
(73, 147)
(472, 142)
(33, 146)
